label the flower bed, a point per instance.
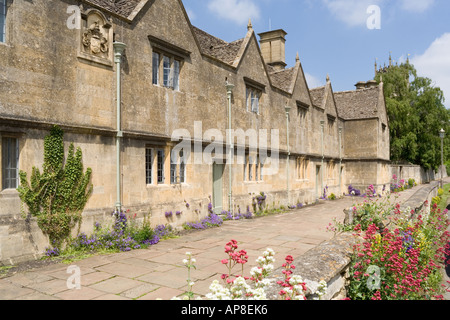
(125, 235)
(401, 254)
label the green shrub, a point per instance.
(436, 200)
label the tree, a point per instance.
(416, 115)
(57, 197)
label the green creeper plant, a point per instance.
(58, 195)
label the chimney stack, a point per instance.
(360, 85)
(273, 48)
(371, 84)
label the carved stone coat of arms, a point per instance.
(94, 41)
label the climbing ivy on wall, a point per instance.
(58, 195)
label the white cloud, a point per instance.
(352, 12)
(191, 14)
(416, 5)
(355, 12)
(313, 82)
(238, 11)
(434, 63)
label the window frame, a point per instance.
(182, 167)
(3, 14)
(160, 166)
(176, 66)
(250, 169)
(302, 168)
(175, 53)
(253, 168)
(149, 156)
(7, 162)
(178, 168)
(155, 67)
(253, 97)
(167, 71)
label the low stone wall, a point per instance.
(419, 174)
(426, 193)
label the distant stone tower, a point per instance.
(385, 69)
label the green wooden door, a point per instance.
(218, 170)
(318, 182)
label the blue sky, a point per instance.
(333, 37)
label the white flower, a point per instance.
(260, 260)
(322, 289)
(185, 262)
(268, 267)
(264, 283)
(188, 254)
(218, 292)
(256, 272)
(295, 280)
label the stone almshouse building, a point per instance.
(172, 82)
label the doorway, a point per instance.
(319, 184)
(218, 170)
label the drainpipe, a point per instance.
(288, 109)
(322, 125)
(118, 51)
(340, 159)
(230, 88)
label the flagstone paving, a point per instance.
(158, 272)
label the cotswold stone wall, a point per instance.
(405, 172)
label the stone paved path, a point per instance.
(158, 272)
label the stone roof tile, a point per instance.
(283, 79)
(228, 53)
(123, 8)
(218, 48)
(317, 96)
(358, 104)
